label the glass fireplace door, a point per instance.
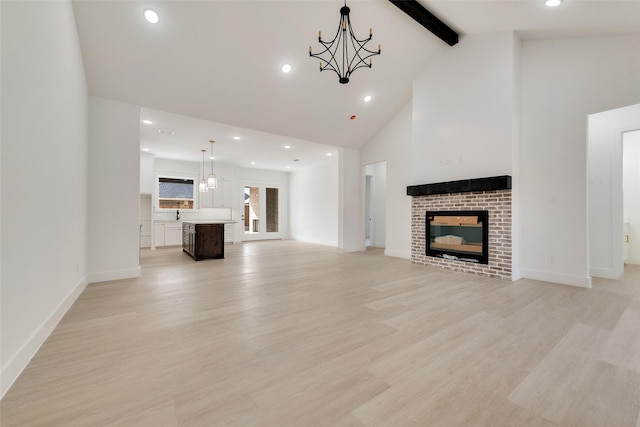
(457, 235)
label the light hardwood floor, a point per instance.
(283, 333)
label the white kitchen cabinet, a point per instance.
(145, 221)
(158, 234)
(229, 230)
(206, 199)
(167, 233)
(217, 197)
(172, 235)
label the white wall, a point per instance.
(463, 111)
(517, 225)
(178, 168)
(44, 169)
(350, 212)
(147, 173)
(563, 82)
(631, 191)
(313, 210)
(114, 183)
(393, 145)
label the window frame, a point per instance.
(194, 181)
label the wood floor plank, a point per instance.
(550, 388)
(159, 416)
(610, 397)
(284, 333)
(327, 391)
(623, 347)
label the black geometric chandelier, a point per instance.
(345, 53)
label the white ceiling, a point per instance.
(173, 136)
(212, 69)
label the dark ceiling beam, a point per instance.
(427, 20)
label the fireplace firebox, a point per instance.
(458, 235)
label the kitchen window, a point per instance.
(176, 193)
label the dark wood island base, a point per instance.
(203, 240)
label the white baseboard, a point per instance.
(397, 254)
(516, 275)
(114, 275)
(632, 260)
(607, 273)
(562, 279)
(351, 249)
(16, 364)
(316, 242)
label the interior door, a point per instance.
(261, 215)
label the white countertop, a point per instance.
(210, 221)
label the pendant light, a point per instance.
(203, 184)
(212, 181)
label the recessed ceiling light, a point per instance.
(353, 117)
(553, 3)
(147, 122)
(236, 137)
(151, 16)
(145, 149)
(287, 146)
(329, 154)
(212, 158)
(286, 68)
(253, 163)
(288, 167)
(367, 98)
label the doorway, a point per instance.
(367, 211)
(261, 212)
(375, 205)
(631, 196)
(605, 215)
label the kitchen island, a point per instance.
(204, 239)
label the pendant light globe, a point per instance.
(202, 187)
(212, 180)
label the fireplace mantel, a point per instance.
(463, 186)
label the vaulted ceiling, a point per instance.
(215, 66)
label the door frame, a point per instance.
(262, 234)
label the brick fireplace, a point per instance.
(490, 194)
